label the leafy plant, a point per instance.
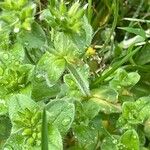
(72, 77)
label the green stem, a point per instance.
(89, 10)
(116, 10)
(115, 67)
(44, 131)
(79, 80)
(134, 16)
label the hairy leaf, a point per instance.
(61, 114)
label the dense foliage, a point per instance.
(74, 75)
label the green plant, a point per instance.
(52, 94)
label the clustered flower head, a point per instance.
(30, 121)
(18, 14)
(63, 19)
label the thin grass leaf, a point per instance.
(137, 31)
(115, 67)
(137, 20)
(44, 142)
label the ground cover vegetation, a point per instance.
(74, 75)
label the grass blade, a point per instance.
(108, 73)
(44, 131)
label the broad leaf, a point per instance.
(55, 140)
(66, 48)
(130, 113)
(143, 57)
(83, 40)
(41, 91)
(136, 112)
(61, 114)
(130, 140)
(49, 69)
(5, 127)
(123, 79)
(106, 107)
(105, 93)
(80, 78)
(16, 141)
(20, 102)
(33, 39)
(109, 143)
(86, 136)
(90, 109)
(77, 81)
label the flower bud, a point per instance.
(27, 132)
(30, 141)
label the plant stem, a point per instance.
(44, 131)
(79, 80)
(89, 10)
(116, 10)
(109, 72)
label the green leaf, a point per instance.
(5, 127)
(106, 107)
(61, 114)
(41, 91)
(86, 136)
(132, 41)
(144, 148)
(55, 140)
(84, 39)
(15, 142)
(141, 89)
(88, 32)
(79, 78)
(130, 113)
(15, 78)
(20, 102)
(33, 39)
(18, 52)
(123, 79)
(3, 107)
(130, 140)
(136, 112)
(66, 48)
(13, 57)
(90, 109)
(68, 90)
(105, 93)
(115, 66)
(143, 107)
(143, 57)
(109, 143)
(77, 81)
(147, 128)
(137, 31)
(142, 137)
(49, 69)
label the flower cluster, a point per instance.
(30, 122)
(17, 15)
